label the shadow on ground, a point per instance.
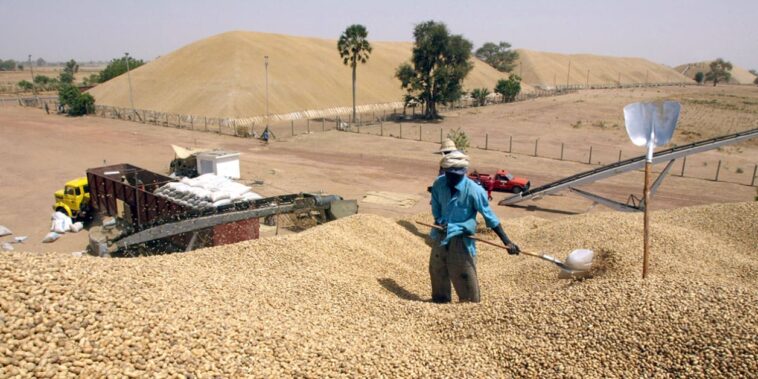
(392, 286)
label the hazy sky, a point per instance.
(669, 32)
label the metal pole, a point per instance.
(265, 65)
(568, 74)
(684, 163)
(619, 155)
(440, 135)
(308, 125)
(381, 128)
(646, 226)
(589, 161)
(510, 144)
(535, 146)
(419, 132)
(486, 141)
(292, 127)
(755, 171)
(31, 70)
(129, 78)
(561, 150)
(718, 168)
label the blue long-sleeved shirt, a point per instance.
(459, 211)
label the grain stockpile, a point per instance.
(739, 74)
(550, 69)
(351, 297)
(224, 76)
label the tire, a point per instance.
(517, 190)
(62, 210)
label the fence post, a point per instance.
(308, 125)
(292, 127)
(510, 144)
(401, 130)
(619, 155)
(179, 121)
(192, 123)
(755, 171)
(684, 163)
(535, 146)
(561, 150)
(323, 124)
(718, 169)
(166, 119)
(589, 161)
(381, 128)
(206, 122)
(440, 136)
(486, 141)
(420, 128)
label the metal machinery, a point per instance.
(632, 205)
(146, 220)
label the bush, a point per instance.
(510, 88)
(25, 85)
(480, 96)
(117, 67)
(699, 77)
(75, 102)
(460, 138)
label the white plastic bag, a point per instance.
(51, 237)
(7, 246)
(76, 227)
(5, 231)
(59, 226)
(221, 202)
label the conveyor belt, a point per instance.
(629, 165)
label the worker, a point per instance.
(456, 200)
(265, 135)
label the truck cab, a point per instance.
(74, 199)
(505, 181)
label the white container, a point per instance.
(220, 163)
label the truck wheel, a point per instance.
(517, 190)
(62, 210)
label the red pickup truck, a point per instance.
(503, 181)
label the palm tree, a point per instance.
(354, 48)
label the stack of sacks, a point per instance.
(206, 192)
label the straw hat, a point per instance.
(447, 146)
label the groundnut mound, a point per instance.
(350, 298)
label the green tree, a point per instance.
(754, 72)
(509, 88)
(720, 71)
(9, 65)
(41, 62)
(42, 80)
(354, 48)
(91, 80)
(500, 56)
(25, 85)
(438, 66)
(460, 138)
(75, 102)
(480, 96)
(699, 77)
(117, 67)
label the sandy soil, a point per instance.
(39, 152)
(229, 80)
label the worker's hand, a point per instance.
(512, 248)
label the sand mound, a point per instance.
(549, 69)
(224, 76)
(349, 298)
(739, 74)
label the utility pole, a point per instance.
(265, 65)
(129, 78)
(588, 78)
(568, 74)
(34, 91)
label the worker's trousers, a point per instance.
(453, 263)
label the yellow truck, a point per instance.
(74, 199)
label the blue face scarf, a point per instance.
(453, 178)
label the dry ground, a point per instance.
(8, 79)
(39, 152)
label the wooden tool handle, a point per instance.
(478, 239)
